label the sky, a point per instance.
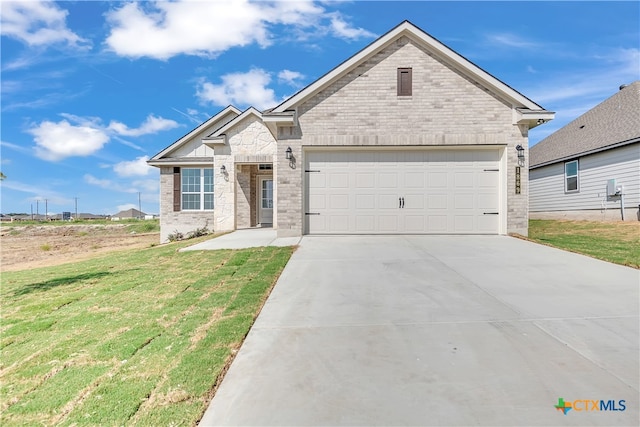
(90, 90)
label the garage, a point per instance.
(432, 191)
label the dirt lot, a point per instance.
(33, 246)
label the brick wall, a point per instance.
(182, 221)
(362, 109)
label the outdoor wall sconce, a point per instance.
(288, 153)
(223, 169)
(520, 149)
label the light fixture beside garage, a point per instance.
(223, 169)
(520, 149)
(288, 153)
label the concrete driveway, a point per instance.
(437, 330)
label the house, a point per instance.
(590, 168)
(128, 214)
(406, 136)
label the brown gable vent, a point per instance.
(404, 81)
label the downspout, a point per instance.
(622, 203)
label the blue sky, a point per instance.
(90, 90)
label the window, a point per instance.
(267, 194)
(571, 176)
(404, 81)
(265, 166)
(197, 189)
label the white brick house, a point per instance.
(406, 136)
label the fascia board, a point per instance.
(195, 131)
(246, 113)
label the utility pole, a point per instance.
(37, 207)
(46, 209)
(31, 211)
(139, 206)
(76, 217)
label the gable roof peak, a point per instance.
(407, 28)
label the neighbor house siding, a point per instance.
(363, 109)
(623, 164)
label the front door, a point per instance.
(265, 200)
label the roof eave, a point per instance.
(533, 118)
(586, 153)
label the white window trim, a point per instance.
(201, 193)
(577, 176)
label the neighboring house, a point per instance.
(406, 136)
(588, 168)
(128, 214)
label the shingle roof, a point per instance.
(613, 121)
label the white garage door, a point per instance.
(385, 192)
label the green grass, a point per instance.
(134, 337)
(617, 242)
(137, 225)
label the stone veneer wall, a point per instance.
(362, 109)
(233, 208)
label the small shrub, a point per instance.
(46, 247)
(175, 236)
(198, 232)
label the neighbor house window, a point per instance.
(404, 81)
(197, 189)
(571, 176)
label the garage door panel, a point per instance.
(437, 180)
(437, 201)
(339, 223)
(365, 201)
(365, 180)
(388, 201)
(387, 180)
(414, 223)
(365, 223)
(317, 201)
(388, 223)
(463, 180)
(414, 179)
(444, 191)
(339, 201)
(317, 180)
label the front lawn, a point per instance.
(133, 337)
(617, 242)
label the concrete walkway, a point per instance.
(437, 330)
(249, 238)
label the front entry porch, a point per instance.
(254, 195)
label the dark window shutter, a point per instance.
(176, 189)
(404, 81)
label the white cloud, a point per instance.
(108, 184)
(162, 30)
(37, 23)
(137, 167)
(152, 124)
(290, 77)
(56, 141)
(240, 89)
(512, 40)
(343, 29)
(147, 186)
(83, 136)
